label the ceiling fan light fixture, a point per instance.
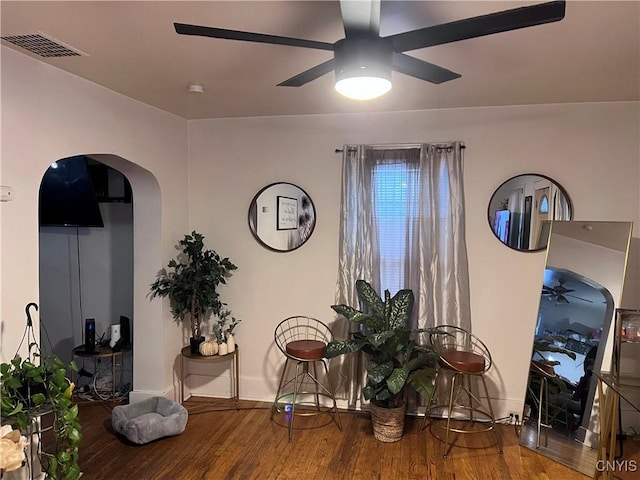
(196, 88)
(363, 67)
(363, 88)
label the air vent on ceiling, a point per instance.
(40, 45)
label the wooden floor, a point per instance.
(562, 447)
(246, 444)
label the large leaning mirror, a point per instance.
(520, 210)
(282, 217)
(582, 287)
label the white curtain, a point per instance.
(435, 265)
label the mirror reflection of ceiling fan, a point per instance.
(559, 293)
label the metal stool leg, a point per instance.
(539, 425)
(430, 400)
(333, 395)
(543, 399)
(452, 396)
(316, 385)
(274, 407)
(295, 395)
(468, 378)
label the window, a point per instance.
(544, 204)
(396, 199)
(395, 209)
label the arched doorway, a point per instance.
(129, 261)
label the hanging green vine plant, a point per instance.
(38, 385)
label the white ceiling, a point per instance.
(593, 54)
(612, 235)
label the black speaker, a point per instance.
(90, 335)
(125, 332)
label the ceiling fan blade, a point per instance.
(562, 289)
(202, 31)
(309, 75)
(360, 18)
(420, 69)
(579, 298)
(479, 26)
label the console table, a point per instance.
(617, 388)
(98, 354)
(233, 357)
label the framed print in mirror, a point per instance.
(287, 213)
(282, 217)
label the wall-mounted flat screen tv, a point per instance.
(67, 196)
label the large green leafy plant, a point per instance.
(192, 282)
(394, 359)
(36, 386)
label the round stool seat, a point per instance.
(466, 362)
(306, 349)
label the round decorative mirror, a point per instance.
(522, 208)
(282, 217)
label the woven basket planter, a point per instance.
(388, 423)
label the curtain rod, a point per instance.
(381, 147)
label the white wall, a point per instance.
(47, 115)
(590, 149)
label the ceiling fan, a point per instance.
(363, 53)
(559, 293)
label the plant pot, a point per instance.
(194, 344)
(222, 348)
(29, 389)
(388, 423)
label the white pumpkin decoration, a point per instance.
(208, 348)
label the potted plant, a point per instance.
(192, 284)
(394, 359)
(37, 386)
(223, 331)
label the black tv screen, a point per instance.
(67, 196)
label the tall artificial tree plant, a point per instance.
(191, 284)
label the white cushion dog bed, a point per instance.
(150, 419)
